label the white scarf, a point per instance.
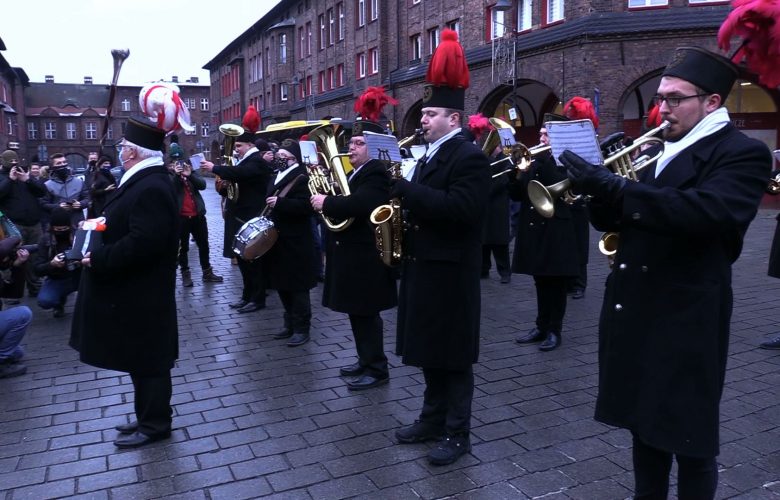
(141, 165)
(706, 127)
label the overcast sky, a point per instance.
(71, 39)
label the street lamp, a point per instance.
(502, 5)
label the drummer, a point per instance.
(251, 174)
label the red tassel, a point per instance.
(653, 117)
(369, 105)
(579, 108)
(479, 124)
(251, 120)
(448, 65)
(756, 21)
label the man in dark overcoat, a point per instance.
(495, 232)
(125, 316)
(545, 248)
(774, 252)
(290, 265)
(439, 298)
(664, 327)
(356, 280)
(251, 174)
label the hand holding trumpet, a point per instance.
(593, 180)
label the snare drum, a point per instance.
(255, 238)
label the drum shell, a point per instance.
(255, 238)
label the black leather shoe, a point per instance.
(352, 370)
(552, 341)
(533, 335)
(579, 293)
(238, 304)
(127, 428)
(506, 279)
(250, 307)
(771, 344)
(449, 450)
(284, 334)
(298, 339)
(366, 382)
(137, 439)
(419, 432)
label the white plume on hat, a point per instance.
(160, 101)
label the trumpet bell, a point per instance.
(231, 130)
(543, 197)
(608, 243)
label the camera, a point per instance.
(71, 263)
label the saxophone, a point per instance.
(389, 226)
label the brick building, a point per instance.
(308, 59)
(12, 84)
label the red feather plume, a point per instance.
(251, 120)
(758, 23)
(579, 108)
(448, 65)
(369, 105)
(479, 124)
(653, 117)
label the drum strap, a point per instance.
(282, 193)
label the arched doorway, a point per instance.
(522, 106)
(411, 121)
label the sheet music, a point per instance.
(507, 137)
(578, 136)
(382, 146)
(309, 152)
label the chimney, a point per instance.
(175, 79)
(49, 78)
(87, 80)
(194, 79)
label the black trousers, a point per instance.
(500, 254)
(697, 478)
(198, 228)
(153, 402)
(447, 399)
(252, 278)
(369, 344)
(550, 302)
(297, 310)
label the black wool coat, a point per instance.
(544, 247)
(495, 231)
(439, 298)
(291, 264)
(252, 176)
(125, 316)
(356, 280)
(664, 326)
(774, 253)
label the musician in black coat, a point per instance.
(289, 266)
(774, 254)
(251, 174)
(495, 232)
(545, 248)
(356, 280)
(664, 326)
(439, 299)
(125, 316)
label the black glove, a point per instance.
(399, 187)
(593, 180)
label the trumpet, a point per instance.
(543, 197)
(520, 157)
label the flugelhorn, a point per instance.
(543, 197)
(231, 133)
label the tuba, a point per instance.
(231, 133)
(330, 179)
(389, 226)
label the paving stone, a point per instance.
(106, 480)
(50, 489)
(346, 487)
(443, 485)
(237, 490)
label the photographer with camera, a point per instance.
(14, 321)
(65, 191)
(61, 273)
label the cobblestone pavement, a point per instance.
(255, 418)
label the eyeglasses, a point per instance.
(357, 144)
(673, 101)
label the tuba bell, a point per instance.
(231, 133)
(329, 179)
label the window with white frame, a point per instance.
(70, 131)
(32, 131)
(497, 26)
(204, 103)
(373, 58)
(90, 130)
(433, 40)
(374, 9)
(361, 65)
(331, 79)
(283, 92)
(204, 129)
(454, 25)
(416, 47)
(9, 125)
(191, 103)
(308, 38)
(331, 27)
(340, 75)
(524, 13)
(633, 4)
(50, 131)
(342, 20)
(301, 42)
(323, 33)
(361, 12)
(282, 49)
(554, 11)
(110, 133)
(125, 104)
